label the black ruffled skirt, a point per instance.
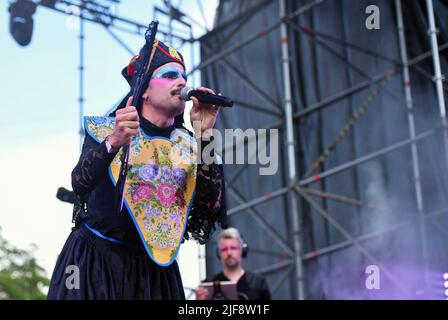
(111, 271)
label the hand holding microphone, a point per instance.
(206, 105)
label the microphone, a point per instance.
(187, 92)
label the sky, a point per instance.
(39, 136)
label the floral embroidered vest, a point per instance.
(159, 188)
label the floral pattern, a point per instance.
(144, 191)
(158, 192)
(148, 172)
(100, 121)
(100, 127)
(159, 186)
(185, 145)
(165, 194)
(136, 147)
(179, 177)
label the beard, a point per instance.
(177, 106)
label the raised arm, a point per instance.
(95, 158)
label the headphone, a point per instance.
(243, 245)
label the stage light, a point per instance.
(445, 276)
(446, 292)
(445, 284)
(21, 20)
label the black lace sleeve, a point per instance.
(209, 205)
(92, 166)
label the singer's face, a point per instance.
(163, 92)
(230, 252)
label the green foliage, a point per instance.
(21, 277)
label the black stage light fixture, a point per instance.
(21, 20)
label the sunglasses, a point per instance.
(169, 72)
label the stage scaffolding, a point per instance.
(289, 233)
(287, 248)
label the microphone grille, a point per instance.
(184, 93)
